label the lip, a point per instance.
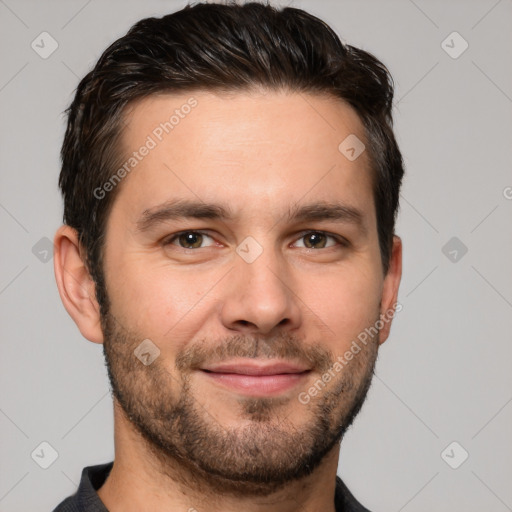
(244, 367)
(255, 378)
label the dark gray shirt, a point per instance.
(86, 498)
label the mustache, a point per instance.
(281, 346)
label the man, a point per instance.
(230, 180)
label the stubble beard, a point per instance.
(264, 453)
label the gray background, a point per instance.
(444, 374)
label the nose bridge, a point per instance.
(265, 271)
(259, 295)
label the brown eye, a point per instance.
(319, 240)
(315, 240)
(190, 240)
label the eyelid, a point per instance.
(168, 240)
(171, 238)
(341, 240)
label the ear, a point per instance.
(389, 301)
(76, 287)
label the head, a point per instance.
(211, 207)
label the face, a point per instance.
(242, 247)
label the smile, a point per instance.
(254, 378)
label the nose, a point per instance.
(259, 297)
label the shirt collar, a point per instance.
(86, 498)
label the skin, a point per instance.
(259, 154)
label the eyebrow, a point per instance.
(327, 211)
(181, 209)
(185, 208)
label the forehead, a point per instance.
(256, 151)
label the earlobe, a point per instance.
(390, 288)
(76, 287)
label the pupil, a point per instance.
(314, 238)
(191, 239)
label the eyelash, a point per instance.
(340, 241)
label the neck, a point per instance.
(141, 480)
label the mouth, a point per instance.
(256, 378)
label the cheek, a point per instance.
(346, 302)
(159, 302)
